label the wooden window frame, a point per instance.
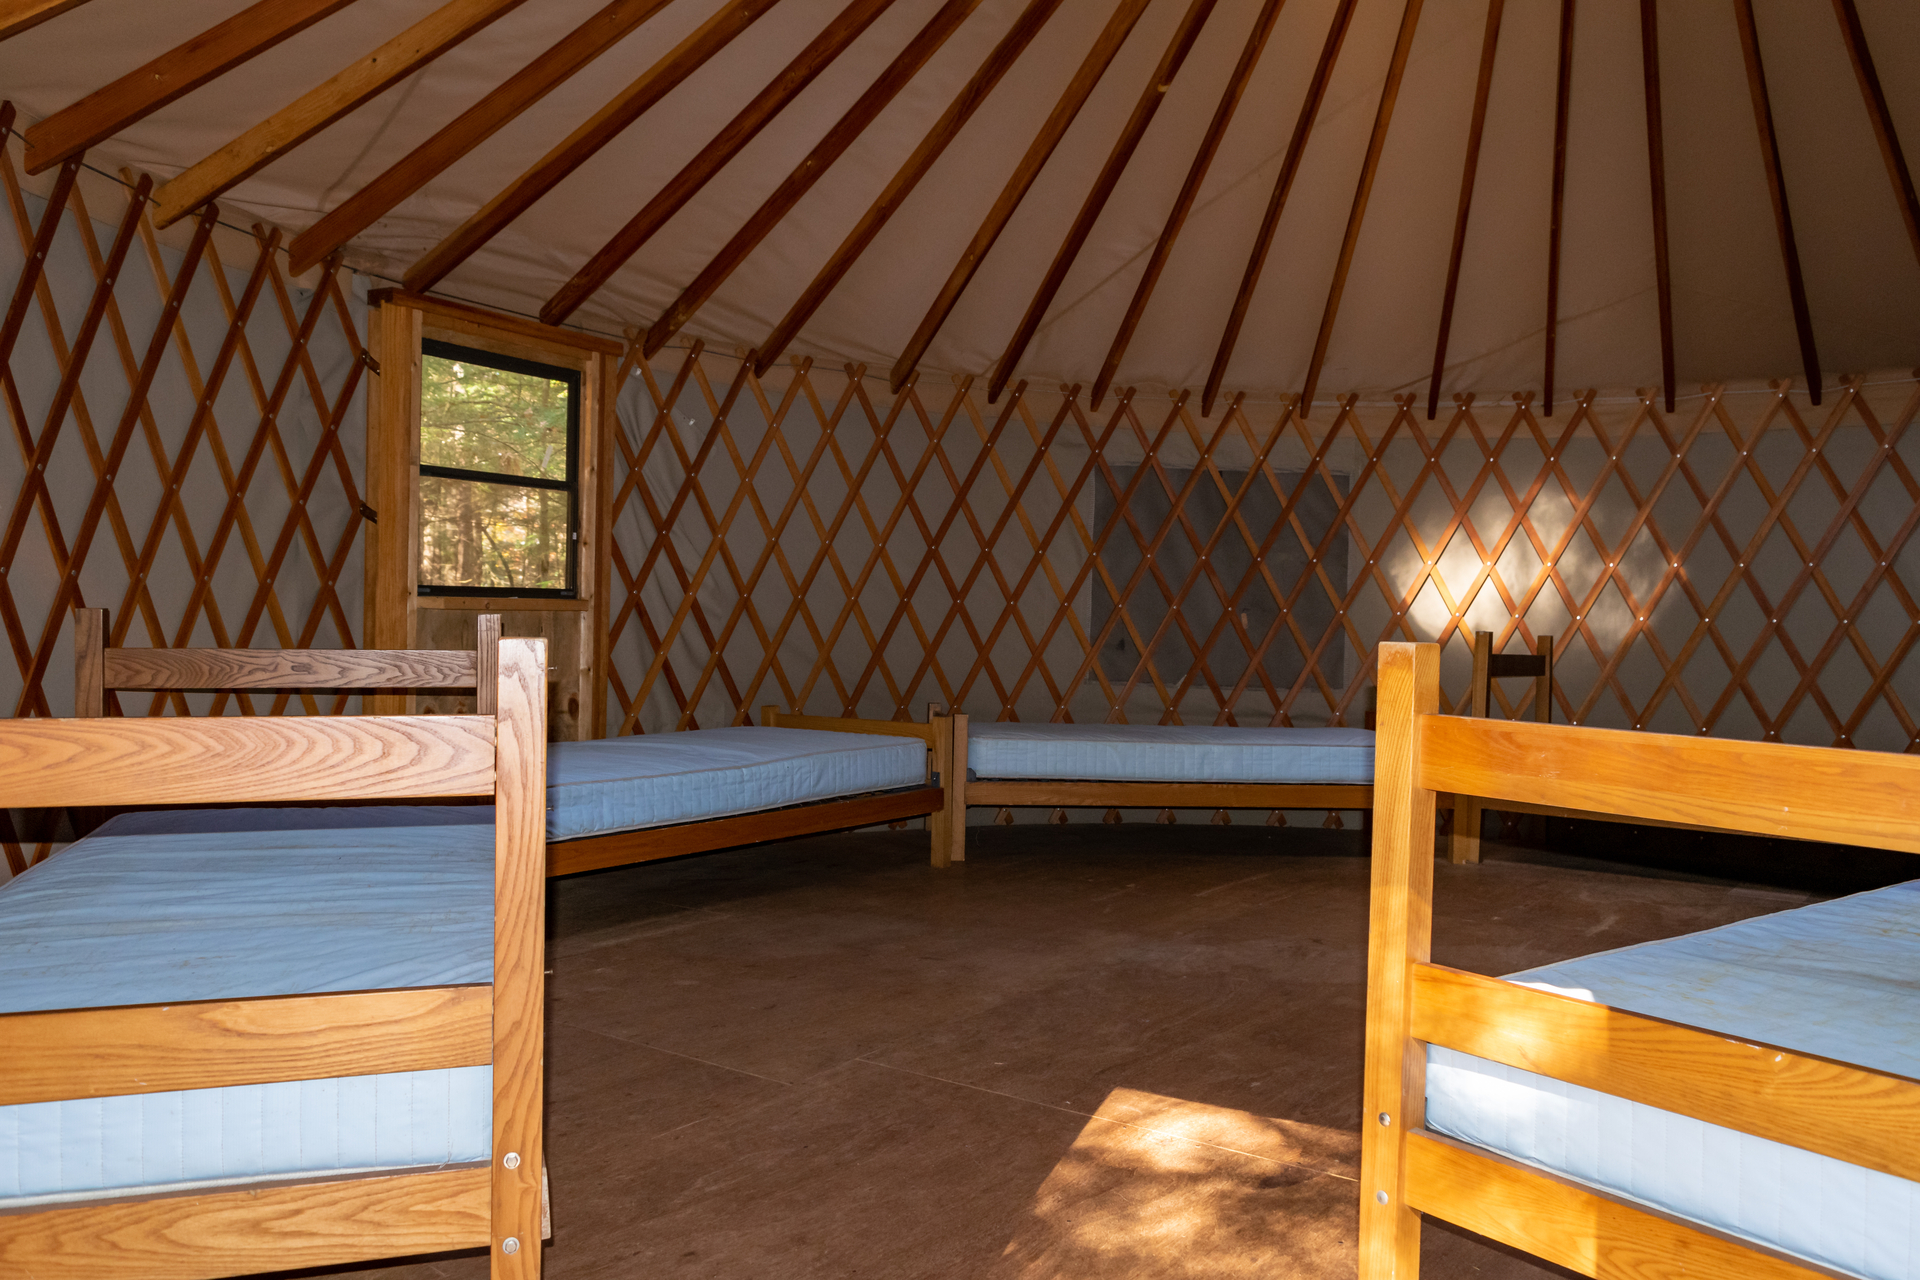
(575, 380)
(398, 323)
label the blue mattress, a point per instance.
(216, 904)
(1838, 979)
(655, 780)
(1170, 753)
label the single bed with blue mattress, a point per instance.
(1838, 980)
(1152, 766)
(218, 904)
(1743, 1101)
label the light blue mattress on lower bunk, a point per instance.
(216, 904)
(1170, 753)
(1837, 979)
(657, 779)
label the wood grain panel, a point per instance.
(1803, 793)
(136, 762)
(1576, 1227)
(565, 858)
(93, 1053)
(1399, 936)
(1832, 1108)
(519, 957)
(266, 1227)
(287, 668)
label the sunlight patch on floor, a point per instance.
(1158, 1186)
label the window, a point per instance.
(499, 495)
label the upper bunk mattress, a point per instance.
(222, 904)
(1838, 979)
(657, 779)
(1170, 753)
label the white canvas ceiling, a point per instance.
(1731, 307)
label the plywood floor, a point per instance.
(1090, 1052)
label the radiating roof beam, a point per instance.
(320, 107)
(1277, 203)
(1151, 97)
(697, 172)
(470, 128)
(944, 130)
(579, 146)
(1777, 193)
(1189, 191)
(1483, 87)
(1125, 14)
(810, 170)
(1657, 177)
(181, 70)
(1562, 99)
(1376, 143)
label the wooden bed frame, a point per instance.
(323, 1220)
(1094, 793)
(1847, 1112)
(99, 668)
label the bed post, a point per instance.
(519, 954)
(89, 662)
(1399, 935)
(940, 822)
(1464, 844)
(956, 784)
(486, 664)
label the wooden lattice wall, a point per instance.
(1738, 566)
(186, 430)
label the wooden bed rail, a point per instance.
(216, 760)
(99, 668)
(1761, 788)
(1863, 1117)
(1847, 1112)
(99, 1053)
(325, 1220)
(947, 824)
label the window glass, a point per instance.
(497, 491)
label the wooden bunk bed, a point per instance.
(112, 1051)
(100, 668)
(1610, 1053)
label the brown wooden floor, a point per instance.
(1090, 1052)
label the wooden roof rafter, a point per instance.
(944, 130)
(568, 56)
(1562, 104)
(1777, 193)
(1135, 128)
(1125, 14)
(1861, 55)
(653, 84)
(1277, 202)
(1469, 169)
(22, 15)
(1382, 121)
(1223, 113)
(1657, 176)
(817, 56)
(326, 104)
(144, 90)
(945, 21)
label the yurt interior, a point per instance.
(1025, 639)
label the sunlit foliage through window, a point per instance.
(497, 438)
